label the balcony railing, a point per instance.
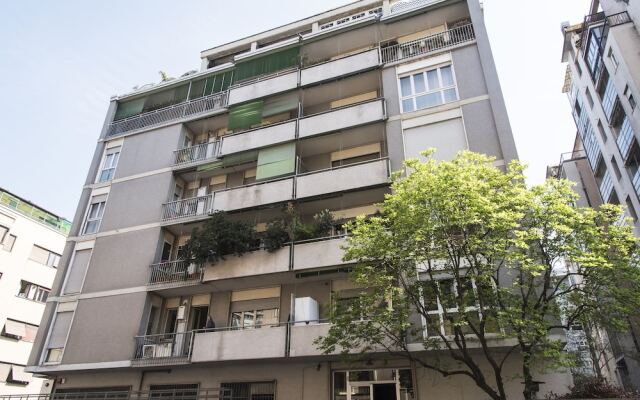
(35, 213)
(175, 273)
(163, 349)
(171, 113)
(186, 208)
(428, 44)
(196, 153)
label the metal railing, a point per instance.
(164, 348)
(185, 208)
(198, 152)
(35, 213)
(572, 155)
(175, 272)
(618, 19)
(87, 394)
(170, 113)
(428, 44)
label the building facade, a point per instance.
(602, 81)
(31, 241)
(310, 116)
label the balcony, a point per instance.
(340, 67)
(318, 253)
(259, 137)
(172, 274)
(263, 86)
(341, 179)
(186, 209)
(37, 214)
(268, 341)
(162, 349)
(302, 338)
(194, 154)
(254, 195)
(175, 113)
(428, 45)
(257, 262)
(625, 138)
(606, 187)
(342, 118)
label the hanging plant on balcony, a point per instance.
(218, 238)
(292, 229)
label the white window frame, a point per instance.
(454, 310)
(34, 292)
(45, 348)
(109, 164)
(87, 220)
(441, 89)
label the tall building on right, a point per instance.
(602, 83)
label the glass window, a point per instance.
(254, 318)
(428, 88)
(33, 292)
(8, 242)
(248, 391)
(109, 164)
(94, 216)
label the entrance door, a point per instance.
(384, 391)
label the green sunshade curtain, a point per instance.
(280, 105)
(276, 161)
(245, 115)
(129, 108)
(166, 98)
(210, 85)
(267, 64)
(210, 166)
(240, 158)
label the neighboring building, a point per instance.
(314, 114)
(602, 82)
(31, 241)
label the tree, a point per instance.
(465, 236)
(219, 237)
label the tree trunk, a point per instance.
(530, 387)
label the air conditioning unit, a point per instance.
(148, 350)
(163, 350)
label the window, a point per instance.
(441, 301)
(3, 232)
(603, 134)
(171, 320)
(254, 318)
(613, 59)
(363, 383)
(14, 374)
(76, 271)
(589, 97)
(58, 337)
(428, 88)
(248, 391)
(616, 169)
(33, 292)
(631, 209)
(629, 96)
(593, 56)
(9, 241)
(44, 256)
(94, 216)
(19, 330)
(109, 164)
(182, 392)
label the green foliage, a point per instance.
(275, 236)
(291, 228)
(594, 388)
(219, 237)
(538, 261)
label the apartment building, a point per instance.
(31, 242)
(314, 116)
(602, 81)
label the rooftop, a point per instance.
(34, 212)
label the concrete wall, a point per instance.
(136, 202)
(341, 179)
(266, 342)
(267, 87)
(340, 67)
(323, 253)
(342, 118)
(99, 333)
(148, 151)
(259, 138)
(254, 195)
(481, 130)
(115, 264)
(254, 263)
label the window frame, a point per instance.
(88, 220)
(33, 292)
(440, 90)
(109, 165)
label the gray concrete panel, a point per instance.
(468, 70)
(148, 151)
(481, 129)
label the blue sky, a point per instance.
(60, 62)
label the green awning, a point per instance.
(276, 161)
(245, 115)
(267, 64)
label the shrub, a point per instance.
(588, 387)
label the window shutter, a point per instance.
(18, 375)
(60, 330)
(245, 115)
(77, 271)
(276, 161)
(38, 254)
(5, 369)
(15, 328)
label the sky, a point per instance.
(61, 61)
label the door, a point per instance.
(384, 391)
